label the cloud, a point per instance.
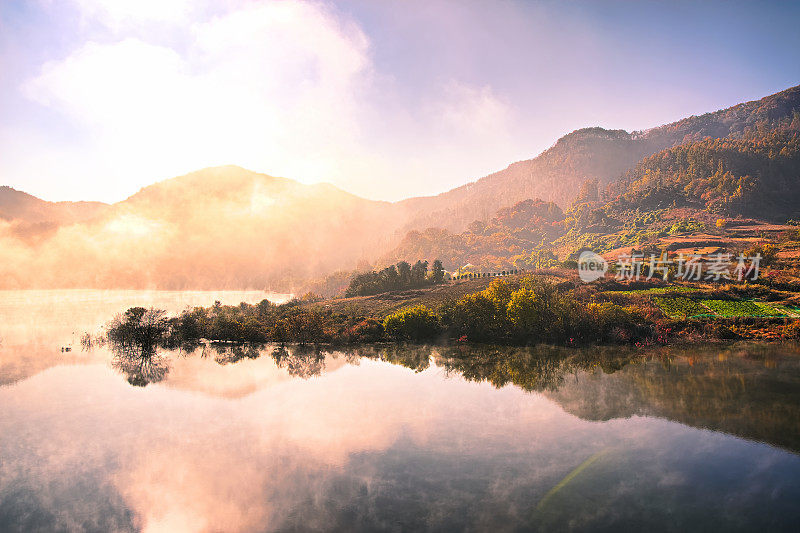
(474, 110)
(287, 88)
(272, 85)
(117, 13)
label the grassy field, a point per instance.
(658, 290)
(675, 301)
(682, 307)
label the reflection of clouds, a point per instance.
(365, 447)
(237, 372)
(181, 458)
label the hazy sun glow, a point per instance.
(386, 100)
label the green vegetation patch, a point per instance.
(781, 310)
(791, 311)
(657, 290)
(738, 308)
(680, 306)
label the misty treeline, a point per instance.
(517, 312)
(395, 277)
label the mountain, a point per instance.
(491, 245)
(21, 206)
(227, 227)
(223, 227)
(755, 176)
(555, 175)
(592, 154)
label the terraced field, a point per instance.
(682, 307)
(657, 290)
(732, 308)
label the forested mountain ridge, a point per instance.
(555, 175)
(753, 173)
(754, 176)
(495, 244)
(227, 227)
(593, 153)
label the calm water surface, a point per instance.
(223, 438)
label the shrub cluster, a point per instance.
(529, 312)
(537, 311)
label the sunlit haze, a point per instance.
(386, 100)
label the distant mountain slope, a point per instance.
(754, 176)
(510, 232)
(223, 227)
(227, 227)
(592, 153)
(21, 206)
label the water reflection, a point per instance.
(405, 438)
(140, 367)
(387, 438)
(748, 390)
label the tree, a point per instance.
(523, 313)
(419, 273)
(438, 271)
(404, 271)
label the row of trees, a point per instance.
(396, 277)
(511, 312)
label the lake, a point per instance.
(379, 438)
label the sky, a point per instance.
(385, 99)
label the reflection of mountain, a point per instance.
(751, 392)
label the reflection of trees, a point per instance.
(227, 354)
(752, 391)
(303, 361)
(531, 369)
(417, 358)
(140, 366)
(133, 338)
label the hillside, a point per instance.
(491, 245)
(223, 227)
(555, 175)
(593, 153)
(22, 207)
(752, 172)
(227, 227)
(756, 176)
